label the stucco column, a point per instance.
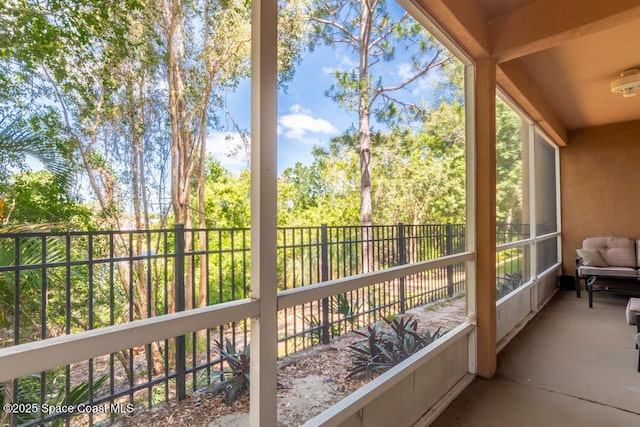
(485, 215)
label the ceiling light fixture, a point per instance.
(629, 84)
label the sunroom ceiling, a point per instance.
(564, 53)
(496, 8)
(575, 76)
(572, 60)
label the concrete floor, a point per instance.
(570, 366)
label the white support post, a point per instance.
(263, 411)
(485, 214)
(533, 217)
(470, 237)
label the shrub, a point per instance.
(508, 283)
(384, 348)
(233, 380)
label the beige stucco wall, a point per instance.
(600, 185)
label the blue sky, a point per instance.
(306, 117)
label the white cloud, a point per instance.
(223, 146)
(343, 63)
(297, 108)
(422, 85)
(405, 71)
(300, 123)
(347, 62)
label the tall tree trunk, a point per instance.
(103, 186)
(188, 135)
(174, 37)
(202, 139)
(146, 306)
(202, 223)
(364, 138)
(365, 195)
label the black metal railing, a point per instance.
(58, 283)
(317, 254)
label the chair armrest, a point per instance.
(577, 277)
(578, 263)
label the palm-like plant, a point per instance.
(18, 141)
(31, 282)
(384, 348)
(234, 378)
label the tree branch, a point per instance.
(388, 31)
(349, 37)
(432, 64)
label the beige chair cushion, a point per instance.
(633, 308)
(615, 251)
(603, 272)
(591, 258)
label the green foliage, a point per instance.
(345, 307)
(420, 178)
(417, 178)
(52, 49)
(35, 286)
(35, 198)
(233, 273)
(228, 209)
(79, 393)
(293, 34)
(375, 34)
(29, 394)
(324, 192)
(21, 139)
(385, 348)
(340, 305)
(314, 330)
(227, 197)
(235, 378)
(508, 283)
(391, 317)
(509, 172)
(43, 32)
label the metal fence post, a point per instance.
(402, 259)
(449, 245)
(180, 303)
(324, 271)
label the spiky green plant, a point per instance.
(29, 394)
(508, 283)
(18, 140)
(384, 348)
(345, 308)
(234, 379)
(314, 332)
